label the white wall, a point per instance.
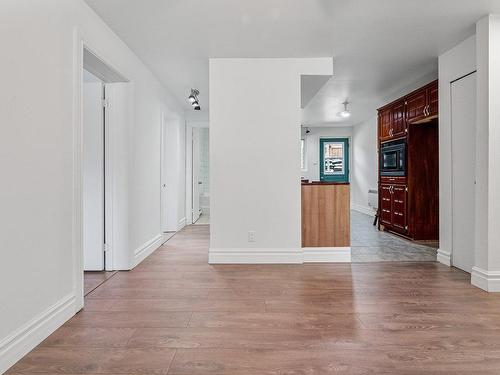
(486, 273)
(454, 64)
(364, 175)
(38, 234)
(312, 147)
(255, 157)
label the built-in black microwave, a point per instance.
(393, 158)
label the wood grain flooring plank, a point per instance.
(176, 314)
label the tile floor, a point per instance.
(370, 245)
(203, 220)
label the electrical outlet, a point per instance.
(251, 236)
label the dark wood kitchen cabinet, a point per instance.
(423, 104)
(385, 122)
(398, 120)
(392, 122)
(409, 204)
(393, 205)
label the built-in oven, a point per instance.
(393, 158)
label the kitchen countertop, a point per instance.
(324, 183)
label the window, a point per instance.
(334, 157)
(303, 154)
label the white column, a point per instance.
(486, 273)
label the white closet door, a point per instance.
(93, 177)
(463, 104)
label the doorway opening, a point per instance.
(97, 90)
(201, 173)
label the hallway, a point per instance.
(175, 314)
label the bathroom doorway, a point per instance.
(200, 185)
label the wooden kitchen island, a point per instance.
(325, 215)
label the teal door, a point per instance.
(334, 159)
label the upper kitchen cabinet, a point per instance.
(433, 94)
(392, 122)
(398, 128)
(418, 107)
(385, 123)
(423, 104)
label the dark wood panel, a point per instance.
(433, 94)
(385, 205)
(416, 105)
(399, 208)
(385, 123)
(398, 119)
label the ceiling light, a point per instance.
(345, 113)
(197, 107)
(193, 97)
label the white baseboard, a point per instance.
(486, 280)
(363, 209)
(181, 224)
(254, 256)
(280, 256)
(20, 342)
(444, 257)
(147, 249)
(326, 254)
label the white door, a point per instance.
(163, 174)
(196, 174)
(93, 177)
(463, 105)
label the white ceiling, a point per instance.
(379, 46)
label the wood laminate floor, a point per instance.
(175, 314)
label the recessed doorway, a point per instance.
(201, 173)
(103, 107)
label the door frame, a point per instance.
(81, 46)
(347, 174)
(453, 131)
(189, 165)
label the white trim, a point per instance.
(444, 257)
(181, 224)
(326, 254)
(20, 342)
(363, 209)
(147, 249)
(486, 280)
(254, 256)
(280, 256)
(77, 240)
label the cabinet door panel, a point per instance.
(415, 106)
(398, 119)
(433, 94)
(399, 207)
(385, 205)
(385, 119)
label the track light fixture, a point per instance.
(193, 99)
(345, 113)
